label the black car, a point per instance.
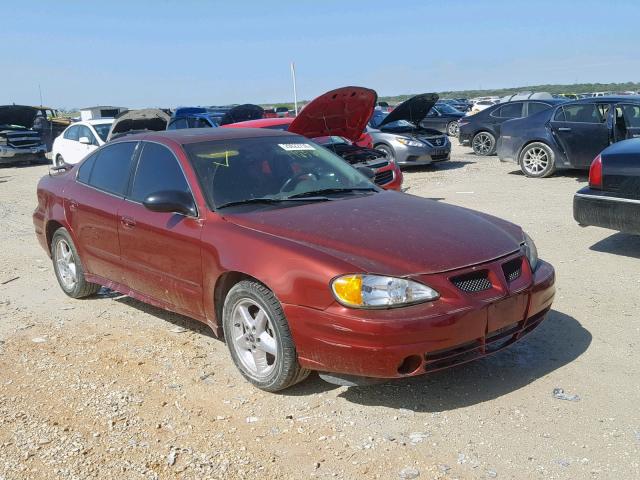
(481, 130)
(612, 199)
(444, 118)
(569, 135)
(459, 104)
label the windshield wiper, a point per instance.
(327, 191)
(268, 200)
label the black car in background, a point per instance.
(444, 118)
(568, 135)
(459, 104)
(481, 130)
(612, 199)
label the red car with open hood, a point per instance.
(337, 120)
(292, 255)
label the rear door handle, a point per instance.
(128, 222)
(564, 129)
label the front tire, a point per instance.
(483, 144)
(537, 160)
(68, 267)
(259, 339)
(387, 151)
(452, 129)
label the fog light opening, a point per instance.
(410, 364)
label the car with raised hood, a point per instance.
(292, 256)
(19, 141)
(568, 135)
(482, 130)
(612, 198)
(403, 139)
(336, 120)
(79, 140)
(136, 121)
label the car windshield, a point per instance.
(102, 129)
(237, 171)
(332, 140)
(446, 108)
(377, 119)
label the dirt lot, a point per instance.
(111, 388)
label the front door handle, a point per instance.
(128, 222)
(564, 129)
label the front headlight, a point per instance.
(376, 291)
(530, 251)
(409, 143)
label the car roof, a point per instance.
(196, 135)
(608, 98)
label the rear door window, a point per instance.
(581, 113)
(112, 168)
(631, 114)
(177, 124)
(511, 110)
(72, 133)
(158, 170)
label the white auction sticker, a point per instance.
(292, 147)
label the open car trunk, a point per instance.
(134, 121)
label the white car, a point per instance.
(79, 140)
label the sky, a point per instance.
(160, 53)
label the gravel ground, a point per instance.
(111, 388)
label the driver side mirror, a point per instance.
(367, 172)
(171, 201)
(84, 140)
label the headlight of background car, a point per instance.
(376, 291)
(531, 251)
(409, 143)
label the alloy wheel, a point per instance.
(482, 144)
(535, 161)
(452, 129)
(254, 338)
(66, 265)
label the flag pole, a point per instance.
(295, 93)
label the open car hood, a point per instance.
(139, 120)
(21, 115)
(412, 110)
(242, 113)
(343, 112)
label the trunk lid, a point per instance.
(138, 121)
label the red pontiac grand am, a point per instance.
(291, 254)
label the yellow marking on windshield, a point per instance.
(215, 155)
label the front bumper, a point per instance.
(11, 154)
(464, 138)
(602, 209)
(406, 156)
(423, 338)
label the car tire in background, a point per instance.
(68, 267)
(453, 129)
(483, 144)
(388, 151)
(58, 161)
(537, 160)
(258, 337)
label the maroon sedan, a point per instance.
(290, 253)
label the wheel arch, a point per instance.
(50, 229)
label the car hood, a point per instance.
(412, 110)
(342, 112)
(139, 120)
(390, 233)
(242, 113)
(17, 115)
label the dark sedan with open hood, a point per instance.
(19, 142)
(399, 135)
(292, 256)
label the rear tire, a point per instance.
(258, 337)
(537, 160)
(483, 144)
(68, 267)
